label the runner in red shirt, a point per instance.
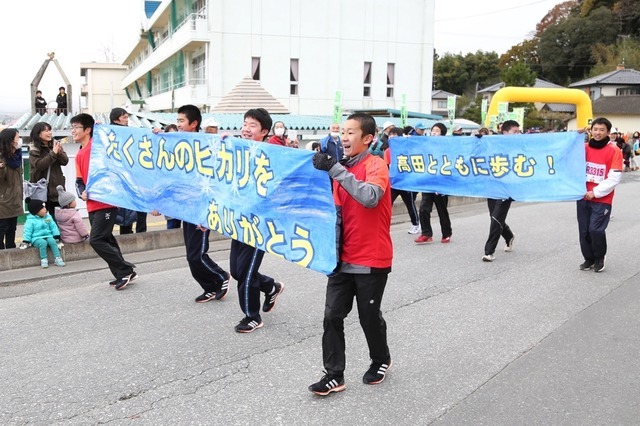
(362, 193)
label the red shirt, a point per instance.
(366, 239)
(277, 140)
(599, 162)
(82, 171)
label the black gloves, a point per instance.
(323, 161)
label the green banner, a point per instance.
(519, 114)
(337, 107)
(403, 111)
(483, 111)
(503, 111)
(451, 108)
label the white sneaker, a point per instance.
(414, 229)
(488, 258)
(509, 246)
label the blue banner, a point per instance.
(267, 196)
(529, 167)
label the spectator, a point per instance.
(418, 130)
(61, 100)
(72, 228)
(40, 231)
(10, 186)
(210, 125)
(279, 136)
(40, 103)
(331, 143)
(46, 158)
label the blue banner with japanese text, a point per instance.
(528, 167)
(267, 196)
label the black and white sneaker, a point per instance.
(376, 373)
(205, 297)
(270, 300)
(586, 265)
(133, 277)
(247, 325)
(599, 265)
(328, 384)
(224, 288)
(123, 282)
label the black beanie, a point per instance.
(34, 206)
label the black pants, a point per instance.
(105, 244)
(368, 290)
(8, 232)
(244, 262)
(51, 208)
(409, 200)
(204, 270)
(593, 219)
(498, 211)
(426, 207)
(141, 224)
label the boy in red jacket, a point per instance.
(361, 191)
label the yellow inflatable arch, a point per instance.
(581, 100)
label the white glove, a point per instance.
(60, 245)
(23, 245)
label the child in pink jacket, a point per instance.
(72, 228)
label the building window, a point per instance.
(255, 68)
(628, 91)
(442, 104)
(293, 77)
(367, 79)
(390, 79)
(198, 75)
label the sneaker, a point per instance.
(376, 373)
(224, 288)
(488, 258)
(445, 240)
(599, 265)
(414, 229)
(58, 261)
(247, 325)
(270, 300)
(205, 297)
(123, 282)
(133, 277)
(328, 384)
(423, 239)
(509, 246)
(586, 265)
(44, 263)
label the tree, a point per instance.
(459, 74)
(518, 74)
(565, 49)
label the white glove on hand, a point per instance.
(23, 245)
(60, 245)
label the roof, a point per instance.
(624, 105)
(249, 94)
(559, 107)
(391, 112)
(441, 94)
(617, 77)
(539, 84)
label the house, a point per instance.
(622, 111)
(302, 55)
(620, 82)
(439, 99)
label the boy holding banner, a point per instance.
(245, 260)
(604, 171)
(361, 190)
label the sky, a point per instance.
(80, 31)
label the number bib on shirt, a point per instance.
(595, 172)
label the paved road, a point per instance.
(527, 339)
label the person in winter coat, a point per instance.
(72, 228)
(10, 186)
(41, 231)
(46, 153)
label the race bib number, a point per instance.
(595, 172)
